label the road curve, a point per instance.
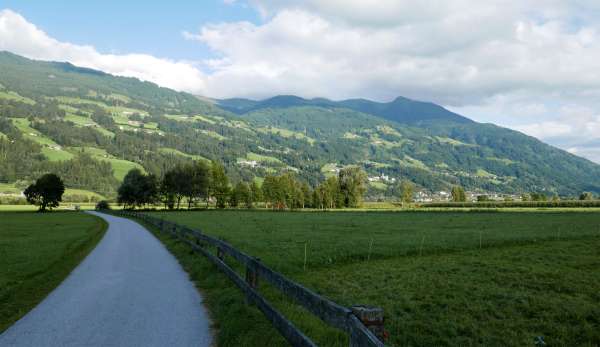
(129, 291)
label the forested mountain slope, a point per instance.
(91, 128)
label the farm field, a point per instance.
(120, 166)
(64, 206)
(443, 278)
(77, 195)
(38, 252)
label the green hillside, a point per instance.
(91, 128)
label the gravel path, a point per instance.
(129, 291)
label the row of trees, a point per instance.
(199, 182)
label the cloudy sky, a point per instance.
(531, 65)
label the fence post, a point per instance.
(373, 318)
(252, 274)
(251, 277)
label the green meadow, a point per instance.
(38, 251)
(443, 278)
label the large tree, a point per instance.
(407, 190)
(197, 181)
(137, 189)
(219, 184)
(256, 192)
(353, 185)
(327, 195)
(458, 194)
(46, 192)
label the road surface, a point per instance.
(129, 291)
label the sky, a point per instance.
(530, 65)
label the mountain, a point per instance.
(91, 128)
(401, 110)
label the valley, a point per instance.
(87, 119)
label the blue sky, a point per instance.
(152, 27)
(528, 65)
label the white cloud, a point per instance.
(518, 64)
(19, 36)
(524, 64)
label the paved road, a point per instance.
(130, 291)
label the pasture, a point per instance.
(37, 251)
(443, 278)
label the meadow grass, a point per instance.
(286, 133)
(120, 166)
(174, 151)
(16, 97)
(9, 188)
(65, 206)
(263, 158)
(32, 134)
(443, 278)
(56, 154)
(38, 250)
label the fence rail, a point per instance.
(353, 321)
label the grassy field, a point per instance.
(64, 206)
(70, 194)
(37, 252)
(174, 151)
(443, 278)
(120, 166)
(14, 96)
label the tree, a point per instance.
(256, 192)
(168, 190)
(407, 191)
(219, 184)
(270, 190)
(306, 195)
(46, 192)
(327, 195)
(137, 189)
(586, 196)
(538, 196)
(246, 195)
(353, 185)
(102, 205)
(458, 194)
(482, 198)
(198, 179)
(241, 194)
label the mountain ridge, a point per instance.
(85, 124)
(401, 109)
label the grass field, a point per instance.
(174, 151)
(32, 134)
(37, 252)
(16, 97)
(64, 206)
(10, 188)
(54, 154)
(443, 278)
(120, 166)
(263, 158)
(286, 133)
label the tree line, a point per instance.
(200, 183)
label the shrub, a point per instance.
(102, 205)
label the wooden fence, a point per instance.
(363, 324)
